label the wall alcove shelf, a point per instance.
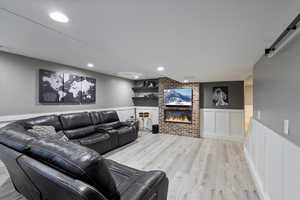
(145, 98)
(145, 95)
(145, 89)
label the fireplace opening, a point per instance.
(178, 116)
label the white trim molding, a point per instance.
(274, 163)
(123, 112)
(227, 124)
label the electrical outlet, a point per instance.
(286, 126)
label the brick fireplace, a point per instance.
(178, 124)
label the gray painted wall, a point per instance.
(19, 87)
(235, 93)
(277, 90)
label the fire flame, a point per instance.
(178, 119)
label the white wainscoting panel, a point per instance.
(153, 116)
(291, 167)
(274, 163)
(222, 124)
(123, 112)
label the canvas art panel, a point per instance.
(51, 88)
(88, 90)
(72, 88)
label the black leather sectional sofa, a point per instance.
(47, 169)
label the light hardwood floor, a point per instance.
(198, 169)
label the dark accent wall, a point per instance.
(277, 90)
(19, 87)
(235, 93)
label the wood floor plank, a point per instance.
(198, 169)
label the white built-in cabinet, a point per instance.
(222, 124)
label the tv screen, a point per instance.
(178, 97)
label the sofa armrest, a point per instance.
(127, 123)
(54, 184)
(103, 128)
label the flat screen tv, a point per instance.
(178, 97)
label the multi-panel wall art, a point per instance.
(57, 87)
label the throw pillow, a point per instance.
(47, 132)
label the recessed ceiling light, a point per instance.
(59, 17)
(160, 68)
(90, 65)
(186, 81)
(136, 77)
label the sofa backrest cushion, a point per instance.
(109, 116)
(15, 137)
(80, 132)
(75, 120)
(77, 161)
(96, 118)
(51, 120)
(77, 125)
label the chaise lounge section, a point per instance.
(43, 168)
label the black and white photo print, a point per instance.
(220, 96)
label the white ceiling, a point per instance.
(200, 40)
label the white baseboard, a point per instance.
(255, 176)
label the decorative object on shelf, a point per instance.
(57, 87)
(150, 96)
(220, 96)
(149, 84)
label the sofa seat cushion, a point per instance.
(134, 184)
(99, 142)
(95, 138)
(77, 161)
